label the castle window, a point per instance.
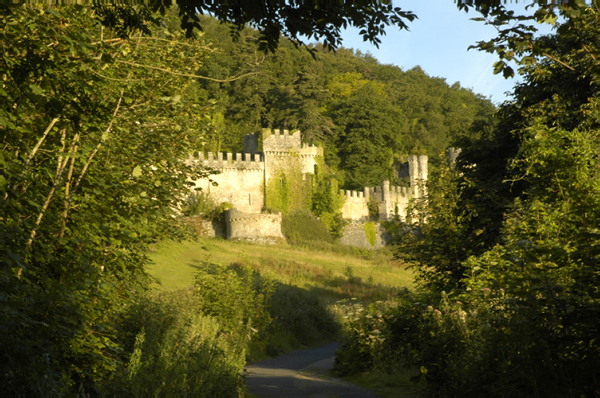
(250, 199)
(281, 182)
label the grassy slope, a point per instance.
(332, 275)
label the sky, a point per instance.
(438, 41)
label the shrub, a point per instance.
(171, 347)
(302, 226)
(200, 203)
(237, 295)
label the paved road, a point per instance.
(302, 373)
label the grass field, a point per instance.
(333, 275)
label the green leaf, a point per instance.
(37, 90)
(137, 171)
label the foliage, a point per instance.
(199, 203)
(303, 226)
(369, 133)
(93, 130)
(202, 204)
(373, 207)
(327, 202)
(515, 241)
(238, 297)
(432, 239)
(322, 21)
(287, 190)
(370, 233)
(372, 343)
(299, 314)
(399, 111)
(171, 347)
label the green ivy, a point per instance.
(370, 233)
(287, 191)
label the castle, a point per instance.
(243, 180)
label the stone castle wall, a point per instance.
(391, 200)
(354, 235)
(284, 152)
(240, 180)
(263, 228)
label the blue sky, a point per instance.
(438, 43)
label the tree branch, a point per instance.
(559, 61)
(61, 168)
(61, 234)
(37, 146)
(102, 140)
(186, 74)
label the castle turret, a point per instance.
(386, 191)
(417, 170)
(277, 142)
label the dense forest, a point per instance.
(368, 116)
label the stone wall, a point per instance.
(286, 153)
(391, 200)
(260, 228)
(354, 235)
(240, 181)
(207, 228)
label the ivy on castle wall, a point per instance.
(370, 233)
(327, 202)
(286, 191)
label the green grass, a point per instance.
(332, 273)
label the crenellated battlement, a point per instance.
(391, 200)
(311, 150)
(227, 160)
(245, 226)
(274, 141)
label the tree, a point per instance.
(524, 211)
(94, 130)
(369, 134)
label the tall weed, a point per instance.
(171, 347)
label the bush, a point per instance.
(237, 295)
(302, 226)
(169, 346)
(200, 203)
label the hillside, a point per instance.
(368, 116)
(331, 275)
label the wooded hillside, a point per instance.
(366, 114)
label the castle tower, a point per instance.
(417, 170)
(285, 153)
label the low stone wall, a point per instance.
(354, 235)
(258, 228)
(207, 228)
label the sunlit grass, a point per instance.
(331, 273)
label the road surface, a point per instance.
(302, 373)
